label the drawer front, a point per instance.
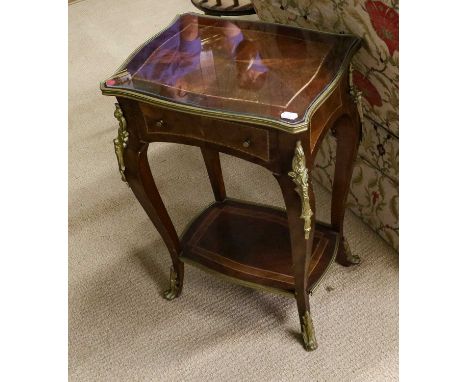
(166, 122)
(247, 139)
(244, 138)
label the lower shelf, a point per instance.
(250, 244)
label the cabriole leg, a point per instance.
(140, 179)
(299, 201)
(142, 184)
(135, 170)
(347, 130)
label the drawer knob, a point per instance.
(246, 143)
(161, 124)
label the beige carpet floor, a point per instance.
(120, 328)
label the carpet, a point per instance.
(120, 327)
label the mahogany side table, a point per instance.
(262, 92)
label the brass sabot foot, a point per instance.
(345, 256)
(350, 258)
(308, 333)
(174, 288)
(170, 294)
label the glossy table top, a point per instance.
(265, 73)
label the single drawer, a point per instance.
(247, 139)
(235, 136)
(167, 122)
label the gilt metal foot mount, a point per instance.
(350, 258)
(345, 257)
(174, 286)
(308, 333)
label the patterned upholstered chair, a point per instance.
(374, 190)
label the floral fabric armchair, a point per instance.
(374, 189)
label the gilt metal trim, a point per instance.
(355, 93)
(120, 143)
(308, 332)
(300, 178)
(174, 286)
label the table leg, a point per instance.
(300, 203)
(213, 166)
(140, 179)
(347, 130)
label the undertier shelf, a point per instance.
(250, 244)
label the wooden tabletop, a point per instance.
(272, 74)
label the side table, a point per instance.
(265, 93)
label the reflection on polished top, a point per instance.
(254, 70)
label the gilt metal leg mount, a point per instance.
(120, 143)
(300, 178)
(355, 93)
(299, 175)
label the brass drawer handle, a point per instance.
(161, 124)
(246, 143)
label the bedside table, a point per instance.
(265, 93)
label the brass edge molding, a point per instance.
(231, 116)
(300, 178)
(308, 332)
(120, 143)
(355, 93)
(174, 286)
(261, 121)
(237, 281)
